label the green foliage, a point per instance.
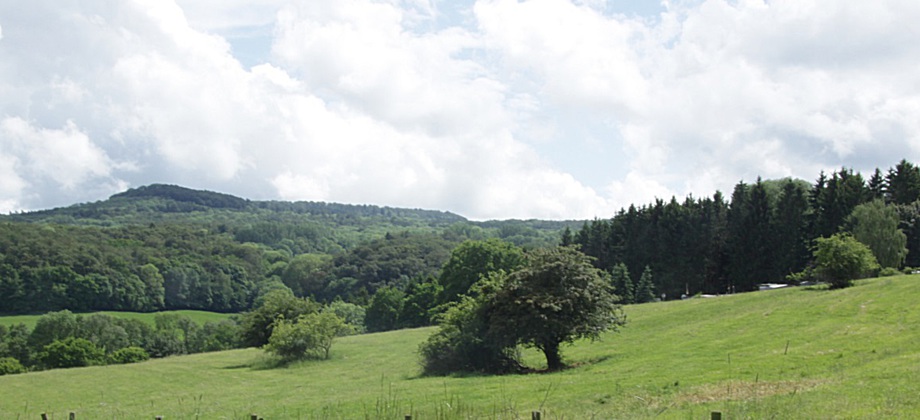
(889, 272)
(129, 355)
(352, 314)
(307, 274)
(556, 297)
(10, 366)
(384, 309)
(390, 261)
(71, 352)
(461, 345)
(420, 303)
(257, 324)
(14, 342)
(875, 224)
(841, 259)
(309, 336)
(473, 260)
(220, 335)
(53, 326)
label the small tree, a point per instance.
(257, 325)
(645, 290)
(622, 284)
(308, 335)
(841, 259)
(876, 225)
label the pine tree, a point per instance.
(645, 290)
(622, 284)
(903, 183)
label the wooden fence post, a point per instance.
(534, 415)
(44, 416)
(253, 417)
(73, 416)
(716, 415)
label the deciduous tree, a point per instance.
(841, 259)
(556, 297)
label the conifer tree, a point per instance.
(645, 290)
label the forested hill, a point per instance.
(158, 202)
(168, 247)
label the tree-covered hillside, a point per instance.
(167, 247)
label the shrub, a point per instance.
(841, 258)
(460, 345)
(889, 271)
(71, 352)
(10, 366)
(129, 355)
(309, 336)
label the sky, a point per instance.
(491, 109)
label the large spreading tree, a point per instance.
(556, 297)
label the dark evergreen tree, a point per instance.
(790, 227)
(903, 183)
(645, 290)
(622, 283)
(876, 185)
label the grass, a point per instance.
(791, 353)
(199, 317)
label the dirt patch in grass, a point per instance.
(745, 390)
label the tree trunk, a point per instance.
(553, 360)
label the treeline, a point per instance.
(140, 268)
(763, 233)
(63, 339)
(152, 268)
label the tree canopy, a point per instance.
(875, 224)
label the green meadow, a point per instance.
(199, 317)
(790, 353)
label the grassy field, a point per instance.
(198, 316)
(792, 353)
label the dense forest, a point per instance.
(763, 233)
(167, 247)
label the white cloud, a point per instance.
(379, 102)
(65, 156)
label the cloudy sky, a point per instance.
(547, 109)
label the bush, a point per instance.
(459, 345)
(10, 366)
(71, 352)
(129, 355)
(309, 336)
(841, 259)
(889, 271)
